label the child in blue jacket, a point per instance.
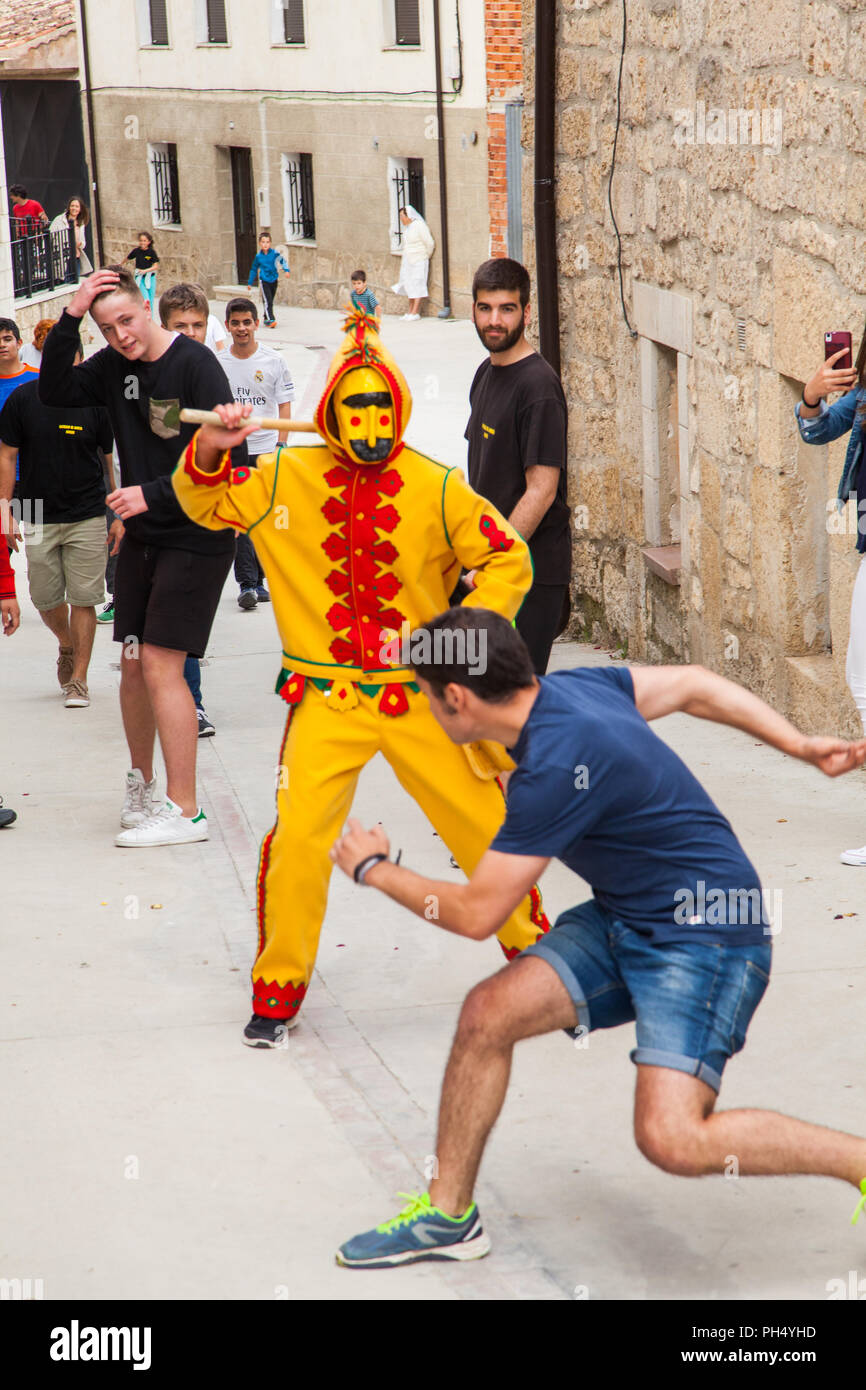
(266, 267)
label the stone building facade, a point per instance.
(210, 106)
(704, 529)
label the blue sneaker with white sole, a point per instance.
(420, 1232)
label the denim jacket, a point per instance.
(834, 421)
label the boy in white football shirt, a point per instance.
(258, 377)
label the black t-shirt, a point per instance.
(518, 419)
(144, 400)
(57, 454)
(144, 260)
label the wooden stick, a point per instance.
(210, 417)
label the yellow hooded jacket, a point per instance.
(356, 553)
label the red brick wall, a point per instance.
(503, 32)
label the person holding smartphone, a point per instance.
(821, 423)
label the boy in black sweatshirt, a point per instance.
(170, 572)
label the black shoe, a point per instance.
(247, 599)
(205, 727)
(268, 1032)
(6, 817)
(262, 594)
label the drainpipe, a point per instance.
(547, 280)
(91, 136)
(445, 311)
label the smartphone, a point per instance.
(833, 342)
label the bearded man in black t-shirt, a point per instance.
(170, 572)
(517, 434)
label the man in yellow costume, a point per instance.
(362, 539)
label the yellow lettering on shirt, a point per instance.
(487, 430)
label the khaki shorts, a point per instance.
(66, 563)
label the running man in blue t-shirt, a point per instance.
(675, 937)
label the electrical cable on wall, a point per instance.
(631, 330)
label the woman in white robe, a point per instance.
(418, 247)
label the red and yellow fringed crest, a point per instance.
(357, 324)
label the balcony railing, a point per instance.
(41, 260)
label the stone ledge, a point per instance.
(663, 560)
(819, 701)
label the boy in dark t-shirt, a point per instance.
(170, 572)
(675, 938)
(518, 446)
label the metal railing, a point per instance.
(41, 260)
(409, 190)
(166, 190)
(300, 219)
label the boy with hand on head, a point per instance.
(258, 377)
(266, 267)
(170, 572)
(362, 298)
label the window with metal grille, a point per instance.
(293, 21)
(217, 29)
(407, 24)
(164, 186)
(300, 217)
(407, 190)
(158, 23)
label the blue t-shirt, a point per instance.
(267, 266)
(8, 384)
(596, 788)
(367, 301)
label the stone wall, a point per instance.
(350, 145)
(740, 196)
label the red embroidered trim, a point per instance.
(223, 474)
(271, 1000)
(359, 583)
(265, 852)
(537, 916)
(292, 690)
(394, 700)
(496, 539)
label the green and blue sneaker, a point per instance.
(861, 1205)
(420, 1232)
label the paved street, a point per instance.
(148, 1154)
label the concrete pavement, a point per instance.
(148, 1154)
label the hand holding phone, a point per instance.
(837, 342)
(836, 372)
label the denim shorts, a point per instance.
(691, 1001)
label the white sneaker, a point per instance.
(139, 803)
(854, 856)
(167, 826)
(396, 288)
(412, 317)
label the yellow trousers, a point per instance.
(323, 751)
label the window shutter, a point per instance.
(217, 30)
(158, 23)
(293, 21)
(407, 22)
